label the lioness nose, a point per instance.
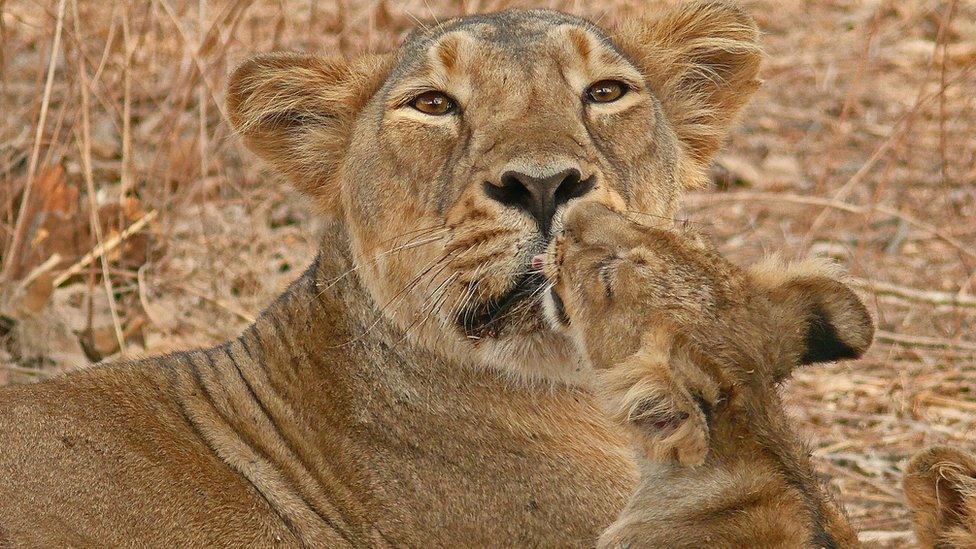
(540, 196)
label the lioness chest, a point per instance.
(509, 470)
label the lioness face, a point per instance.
(452, 160)
(467, 156)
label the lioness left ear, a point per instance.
(817, 317)
(701, 60)
(296, 112)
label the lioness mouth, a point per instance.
(486, 320)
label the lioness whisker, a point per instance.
(409, 245)
(442, 263)
(684, 221)
(436, 302)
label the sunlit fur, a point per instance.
(434, 250)
(689, 350)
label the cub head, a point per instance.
(940, 486)
(614, 278)
(679, 335)
(450, 161)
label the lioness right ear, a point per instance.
(940, 486)
(701, 60)
(296, 112)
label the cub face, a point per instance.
(613, 279)
(452, 159)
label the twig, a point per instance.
(20, 227)
(864, 479)
(27, 371)
(104, 247)
(747, 196)
(924, 341)
(49, 264)
(230, 308)
(125, 168)
(882, 536)
(197, 60)
(84, 149)
(912, 294)
(946, 402)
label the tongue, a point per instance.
(538, 261)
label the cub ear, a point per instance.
(818, 318)
(701, 60)
(296, 112)
(940, 486)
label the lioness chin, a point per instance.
(404, 390)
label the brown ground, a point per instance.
(861, 145)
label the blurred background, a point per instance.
(132, 221)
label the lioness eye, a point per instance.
(434, 103)
(606, 91)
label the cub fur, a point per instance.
(690, 349)
(403, 391)
(940, 485)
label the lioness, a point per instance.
(688, 350)
(404, 390)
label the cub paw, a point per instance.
(671, 429)
(656, 401)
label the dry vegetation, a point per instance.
(132, 221)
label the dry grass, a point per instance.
(861, 145)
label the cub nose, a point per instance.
(539, 195)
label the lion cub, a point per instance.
(688, 351)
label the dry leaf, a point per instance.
(37, 293)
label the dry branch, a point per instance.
(103, 248)
(912, 294)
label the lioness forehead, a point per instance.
(517, 32)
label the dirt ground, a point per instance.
(133, 221)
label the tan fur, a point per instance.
(378, 402)
(689, 349)
(940, 485)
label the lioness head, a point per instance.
(450, 161)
